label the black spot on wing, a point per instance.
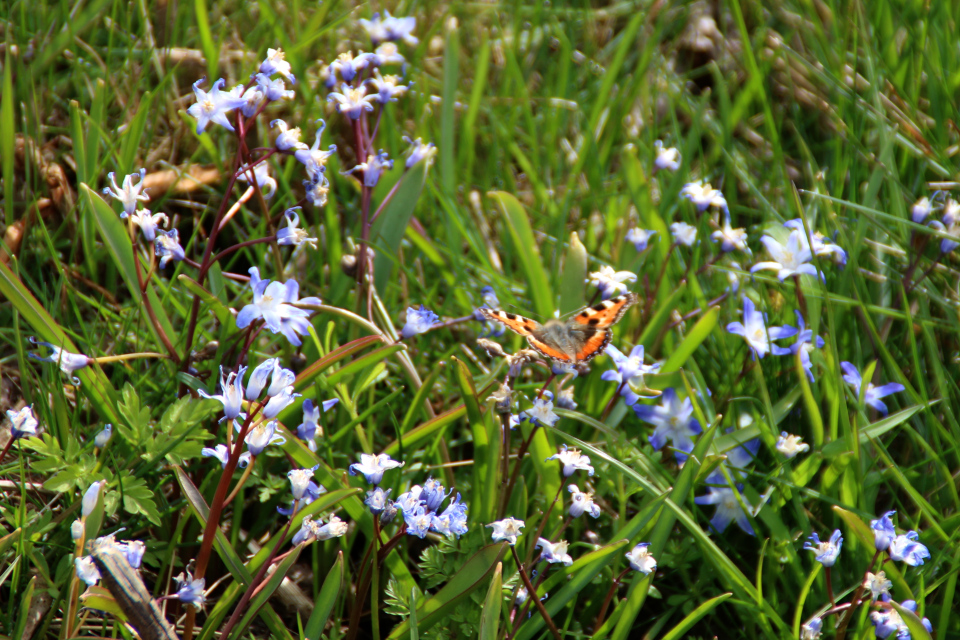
(511, 316)
(593, 322)
(600, 307)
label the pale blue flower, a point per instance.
(790, 259)
(758, 335)
(811, 630)
(872, 395)
(372, 168)
(262, 436)
(389, 28)
(667, 157)
(877, 584)
(420, 152)
(129, 194)
(905, 548)
(221, 453)
(703, 196)
(683, 233)
(314, 158)
(790, 445)
(348, 65)
(630, 372)
(77, 529)
(507, 530)
(883, 530)
(582, 502)
(377, 499)
(565, 399)
(673, 421)
(259, 376)
(640, 238)
(311, 492)
(213, 106)
(275, 63)
(289, 139)
(231, 395)
(387, 53)
(410, 500)
(23, 424)
(102, 438)
(888, 621)
(190, 591)
(317, 191)
(274, 303)
(921, 209)
(818, 243)
(730, 239)
(373, 466)
(554, 553)
(273, 89)
(87, 571)
(90, 498)
(610, 282)
(453, 520)
(299, 479)
(388, 88)
(167, 247)
(252, 99)
(149, 223)
(641, 560)
(572, 461)
(68, 362)
(292, 234)
(351, 102)
(542, 412)
(827, 551)
(432, 494)
(311, 420)
(418, 321)
(261, 174)
(727, 503)
(805, 344)
(418, 522)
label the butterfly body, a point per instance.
(580, 338)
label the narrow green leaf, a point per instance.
(448, 99)
(391, 225)
(363, 362)
(874, 430)
(308, 375)
(695, 616)
(525, 243)
(210, 51)
(219, 309)
(134, 134)
(26, 600)
(913, 622)
(486, 449)
(473, 573)
(7, 136)
(490, 616)
(326, 599)
(425, 431)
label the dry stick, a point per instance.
(524, 611)
(532, 593)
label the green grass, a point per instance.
(545, 118)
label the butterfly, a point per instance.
(580, 338)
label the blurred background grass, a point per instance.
(843, 111)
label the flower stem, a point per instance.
(543, 521)
(128, 356)
(855, 601)
(606, 601)
(241, 482)
(532, 593)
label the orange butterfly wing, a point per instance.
(606, 313)
(517, 324)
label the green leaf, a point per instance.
(363, 362)
(486, 449)
(326, 600)
(451, 73)
(695, 616)
(574, 277)
(134, 134)
(490, 616)
(7, 137)
(472, 575)
(266, 590)
(525, 245)
(873, 431)
(391, 225)
(137, 498)
(913, 622)
(425, 431)
(219, 309)
(310, 374)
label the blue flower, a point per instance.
(352, 102)
(873, 394)
(167, 247)
(273, 89)
(23, 424)
(728, 506)
(317, 191)
(372, 168)
(314, 158)
(102, 438)
(920, 210)
(507, 530)
(667, 157)
(231, 395)
(420, 152)
(292, 234)
(673, 421)
(149, 223)
(640, 238)
(610, 282)
(409, 501)
(68, 362)
(542, 412)
(888, 621)
(883, 530)
(213, 106)
(805, 344)
(582, 502)
(262, 436)
(572, 461)
(190, 591)
(377, 499)
(811, 630)
(275, 63)
(418, 522)
(432, 494)
(630, 372)
(388, 87)
(299, 479)
(828, 550)
(453, 520)
(387, 53)
(310, 493)
(274, 303)
(87, 571)
(418, 321)
(373, 466)
(289, 139)
(818, 243)
(554, 553)
(259, 376)
(641, 560)
(90, 498)
(703, 196)
(349, 66)
(758, 335)
(311, 421)
(129, 194)
(906, 548)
